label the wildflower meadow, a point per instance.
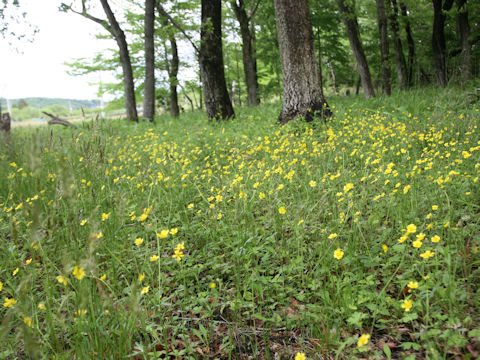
(246, 239)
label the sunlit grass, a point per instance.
(239, 238)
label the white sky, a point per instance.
(39, 70)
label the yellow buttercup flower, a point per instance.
(407, 305)
(213, 285)
(138, 241)
(338, 254)
(145, 290)
(153, 258)
(141, 277)
(411, 229)
(42, 306)
(300, 356)
(417, 243)
(332, 236)
(78, 272)
(282, 210)
(413, 285)
(435, 238)
(27, 320)
(427, 254)
(312, 183)
(105, 216)
(9, 302)
(163, 234)
(363, 340)
(62, 280)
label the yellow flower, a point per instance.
(62, 280)
(190, 206)
(406, 188)
(42, 306)
(163, 234)
(403, 239)
(420, 236)
(78, 272)
(28, 261)
(1, 286)
(83, 222)
(385, 248)
(435, 238)
(27, 320)
(407, 304)
(80, 312)
(332, 236)
(338, 254)
(143, 217)
(153, 258)
(413, 285)
(300, 356)
(99, 235)
(363, 340)
(105, 216)
(138, 241)
(141, 277)
(446, 225)
(9, 302)
(312, 183)
(434, 207)
(15, 272)
(282, 210)
(417, 243)
(103, 277)
(261, 195)
(145, 290)
(347, 187)
(411, 229)
(219, 216)
(173, 231)
(213, 285)
(427, 254)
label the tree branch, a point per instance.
(85, 14)
(254, 11)
(162, 12)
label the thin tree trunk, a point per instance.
(410, 44)
(320, 72)
(464, 33)
(438, 39)
(382, 28)
(119, 35)
(400, 62)
(248, 51)
(149, 93)
(350, 20)
(334, 77)
(217, 100)
(302, 94)
(173, 78)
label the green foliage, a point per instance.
(195, 239)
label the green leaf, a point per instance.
(387, 351)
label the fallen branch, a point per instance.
(57, 121)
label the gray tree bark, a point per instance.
(217, 100)
(248, 51)
(149, 92)
(384, 48)
(400, 63)
(350, 20)
(438, 39)
(302, 93)
(464, 33)
(129, 87)
(410, 45)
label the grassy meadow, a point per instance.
(245, 239)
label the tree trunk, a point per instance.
(464, 33)
(149, 92)
(350, 20)
(173, 78)
(248, 52)
(382, 28)
(302, 93)
(438, 39)
(217, 100)
(410, 44)
(320, 72)
(119, 35)
(334, 77)
(400, 62)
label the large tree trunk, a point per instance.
(149, 93)
(384, 48)
(119, 35)
(248, 52)
(410, 44)
(438, 39)
(400, 62)
(350, 20)
(464, 33)
(217, 100)
(173, 79)
(302, 93)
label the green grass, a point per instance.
(250, 281)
